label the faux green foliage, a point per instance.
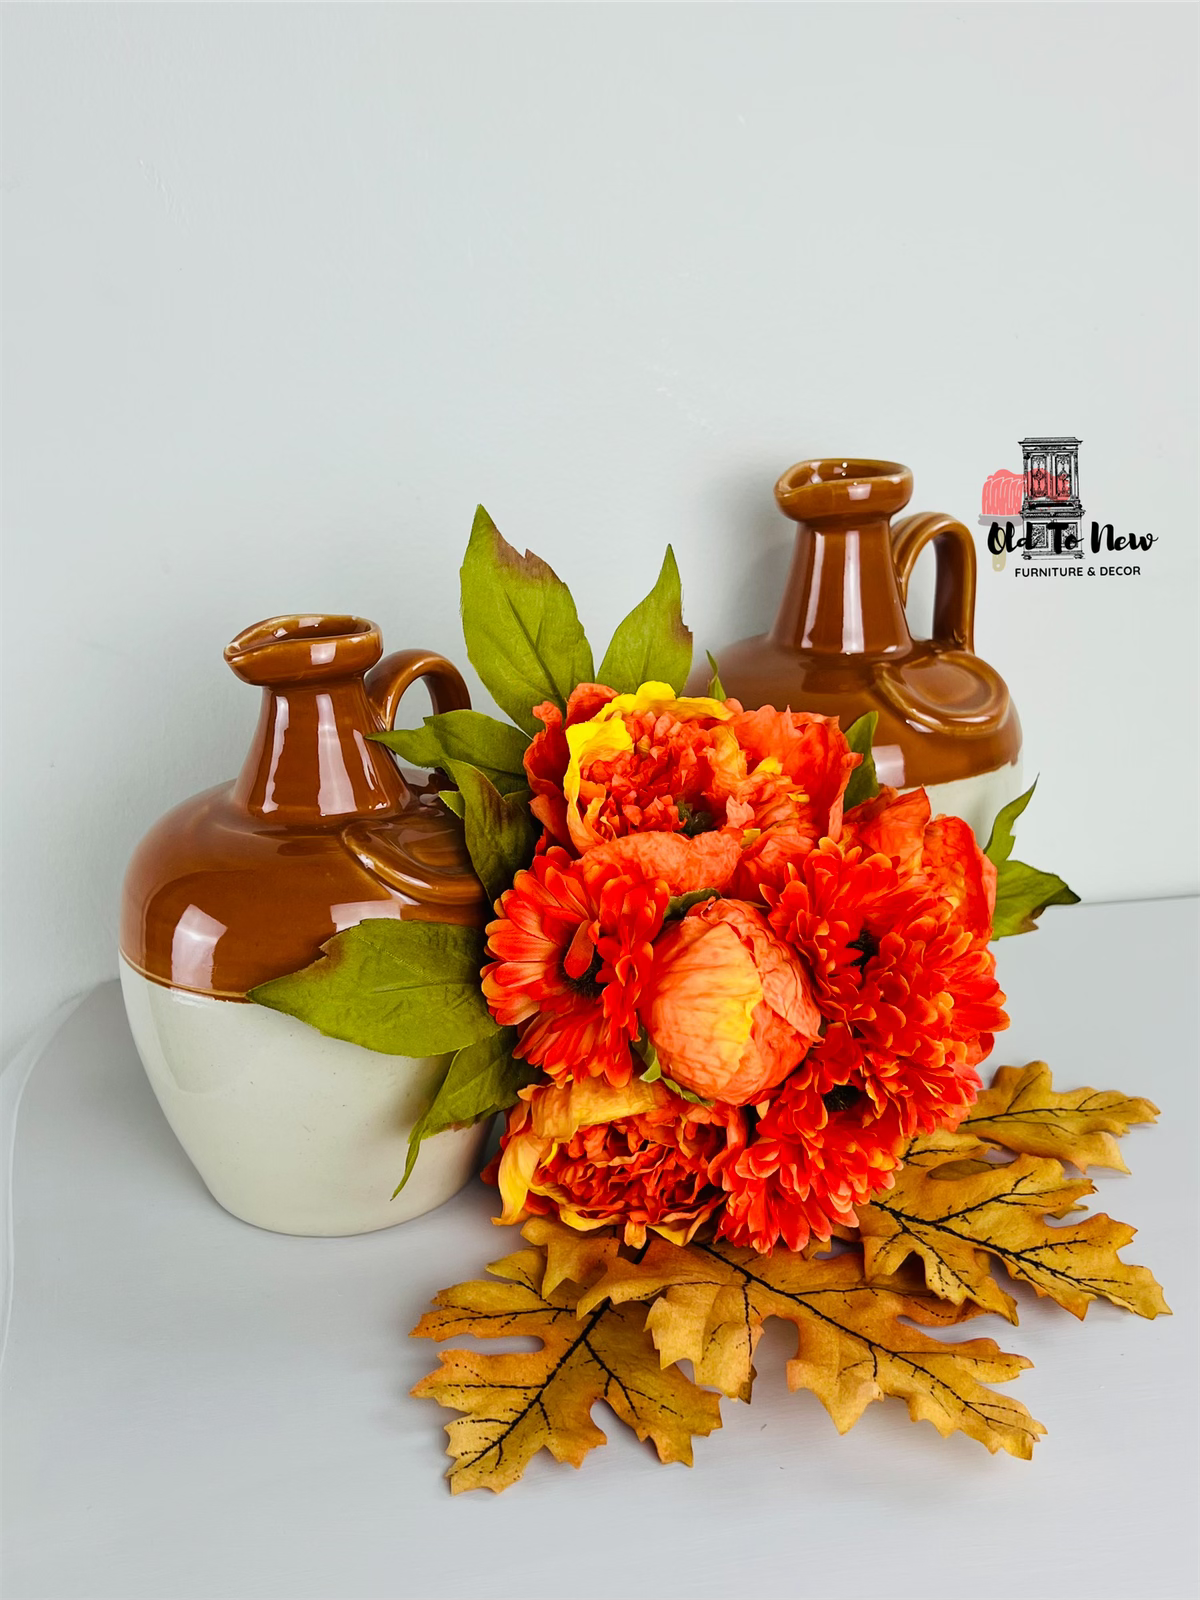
(680, 904)
(500, 832)
(716, 689)
(652, 644)
(1022, 892)
(863, 785)
(481, 1080)
(405, 988)
(496, 748)
(522, 632)
(655, 1074)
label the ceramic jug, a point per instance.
(289, 1129)
(841, 644)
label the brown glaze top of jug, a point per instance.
(841, 645)
(320, 829)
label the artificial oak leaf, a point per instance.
(711, 1301)
(1021, 1111)
(515, 1405)
(942, 1145)
(572, 1254)
(1002, 1210)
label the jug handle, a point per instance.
(388, 680)
(954, 593)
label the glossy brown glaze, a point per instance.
(319, 830)
(841, 645)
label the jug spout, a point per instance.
(842, 597)
(841, 644)
(310, 761)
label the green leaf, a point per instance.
(680, 904)
(1001, 839)
(685, 1094)
(644, 1047)
(652, 645)
(496, 748)
(1022, 892)
(522, 632)
(453, 801)
(716, 689)
(863, 785)
(405, 988)
(481, 1080)
(499, 829)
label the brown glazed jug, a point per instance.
(292, 1130)
(841, 644)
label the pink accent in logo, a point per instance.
(1002, 494)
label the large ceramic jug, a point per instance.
(289, 1129)
(841, 644)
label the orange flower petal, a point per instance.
(698, 1004)
(706, 862)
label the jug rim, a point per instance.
(843, 486)
(304, 647)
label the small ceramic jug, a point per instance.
(289, 1129)
(841, 645)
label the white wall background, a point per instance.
(290, 288)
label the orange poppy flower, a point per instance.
(637, 1157)
(726, 1004)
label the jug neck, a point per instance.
(310, 761)
(842, 597)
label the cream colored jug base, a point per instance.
(290, 1130)
(977, 799)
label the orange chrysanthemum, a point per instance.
(638, 1157)
(811, 1161)
(910, 995)
(570, 947)
(940, 855)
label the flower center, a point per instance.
(868, 944)
(693, 822)
(841, 1098)
(588, 982)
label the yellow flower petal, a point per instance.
(522, 1156)
(560, 1112)
(605, 734)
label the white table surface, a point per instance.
(194, 1408)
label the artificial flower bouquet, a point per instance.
(732, 1001)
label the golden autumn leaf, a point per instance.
(1021, 1111)
(956, 1224)
(710, 1302)
(514, 1405)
